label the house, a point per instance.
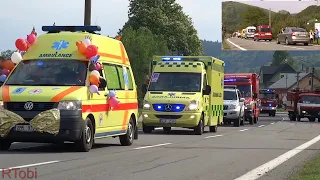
(271, 74)
(289, 82)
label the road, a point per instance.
(248, 44)
(179, 155)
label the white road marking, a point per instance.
(29, 165)
(272, 123)
(260, 126)
(157, 145)
(263, 169)
(295, 47)
(214, 136)
(243, 130)
(239, 47)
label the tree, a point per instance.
(141, 45)
(255, 16)
(165, 17)
(280, 57)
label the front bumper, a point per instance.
(267, 109)
(183, 119)
(231, 114)
(310, 113)
(71, 124)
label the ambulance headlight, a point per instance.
(194, 105)
(69, 105)
(146, 105)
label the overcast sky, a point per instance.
(17, 17)
(293, 6)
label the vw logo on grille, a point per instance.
(28, 105)
(168, 107)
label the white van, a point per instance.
(250, 30)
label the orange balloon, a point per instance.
(7, 65)
(94, 79)
(81, 47)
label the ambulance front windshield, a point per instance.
(175, 81)
(49, 73)
(310, 99)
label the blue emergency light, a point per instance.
(174, 107)
(230, 80)
(54, 29)
(171, 59)
(268, 90)
(270, 105)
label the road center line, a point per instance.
(214, 136)
(239, 47)
(263, 169)
(157, 145)
(243, 130)
(261, 126)
(29, 165)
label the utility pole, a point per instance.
(269, 16)
(298, 78)
(312, 75)
(87, 13)
(286, 81)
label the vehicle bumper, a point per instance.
(308, 113)
(231, 114)
(304, 40)
(266, 37)
(71, 124)
(248, 113)
(186, 119)
(267, 109)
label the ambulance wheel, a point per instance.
(127, 139)
(5, 144)
(255, 120)
(85, 143)
(236, 122)
(213, 128)
(146, 129)
(250, 120)
(312, 119)
(136, 132)
(199, 129)
(166, 129)
(298, 118)
(242, 121)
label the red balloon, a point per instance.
(21, 44)
(5, 71)
(91, 51)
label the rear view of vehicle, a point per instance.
(263, 32)
(293, 35)
(250, 31)
(233, 107)
(269, 101)
(303, 104)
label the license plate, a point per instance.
(167, 121)
(24, 128)
(303, 35)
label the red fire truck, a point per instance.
(269, 101)
(303, 104)
(248, 84)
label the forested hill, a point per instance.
(251, 61)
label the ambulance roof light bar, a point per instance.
(57, 29)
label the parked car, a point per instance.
(293, 35)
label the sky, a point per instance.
(19, 16)
(293, 6)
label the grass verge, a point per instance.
(281, 110)
(309, 171)
(225, 45)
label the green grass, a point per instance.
(309, 171)
(281, 110)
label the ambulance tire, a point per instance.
(136, 132)
(85, 143)
(166, 129)
(5, 144)
(199, 129)
(312, 119)
(250, 120)
(255, 120)
(147, 129)
(236, 122)
(127, 139)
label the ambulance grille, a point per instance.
(168, 116)
(37, 106)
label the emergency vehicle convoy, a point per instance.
(185, 91)
(59, 92)
(269, 101)
(248, 84)
(303, 104)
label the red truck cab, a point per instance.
(269, 101)
(263, 32)
(248, 84)
(303, 104)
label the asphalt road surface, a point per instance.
(248, 44)
(232, 152)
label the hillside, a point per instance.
(251, 61)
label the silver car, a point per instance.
(293, 35)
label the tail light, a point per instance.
(293, 34)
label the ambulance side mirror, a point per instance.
(144, 88)
(255, 95)
(207, 91)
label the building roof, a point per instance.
(288, 81)
(270, 71)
